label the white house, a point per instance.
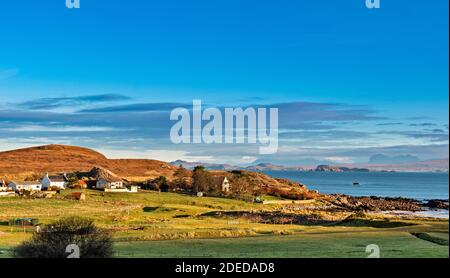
(56, 181)
(225, 185)
(25, 185)
(3, 186)
(110, 183)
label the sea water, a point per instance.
(420, 186)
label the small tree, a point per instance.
(181, 174)
(149, 185)
(53, 240)
(201, 179)
(241, 186)
(162, 183)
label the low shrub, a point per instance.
(53, 240)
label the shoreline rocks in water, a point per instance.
(373, 203)
(437, 204)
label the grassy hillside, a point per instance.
(58, 158)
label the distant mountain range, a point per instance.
(209, 166)
(435, 165)
(386, 159)
(230, 167)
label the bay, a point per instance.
(420, 186)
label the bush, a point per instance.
(160, 183)
(238, 172)
(53, 239)
(163, 184)
(73, 181)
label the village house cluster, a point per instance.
(61, 182)
(55, 182)
(203, 182)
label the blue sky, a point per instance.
(349, 82)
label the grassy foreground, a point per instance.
(327, 245)
(151, 224)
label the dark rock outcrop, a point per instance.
(373, 203)
(437, 204)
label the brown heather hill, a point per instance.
(59, 158)
(263, 184)
(34, 162)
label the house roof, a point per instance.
(57, 178)
(26, 182)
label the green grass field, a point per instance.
(151, 224)
(348, 245)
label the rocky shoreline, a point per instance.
(374, 203)
(437, 204)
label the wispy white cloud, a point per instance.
(57, 129)
(339, 159)
(52, 103)
(158, 154)
(309, 132)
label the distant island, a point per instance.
(434, 165)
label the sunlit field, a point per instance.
(152, 224)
